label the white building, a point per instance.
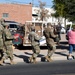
(52, 20)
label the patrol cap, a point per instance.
(2, 20)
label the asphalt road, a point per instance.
(43, 68)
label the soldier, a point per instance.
(48, 33)
(58, 28)
(8, 43)
(2, 50)
(34, 38)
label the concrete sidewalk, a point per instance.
(60, 53)
(23, 55)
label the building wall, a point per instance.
(17, 12)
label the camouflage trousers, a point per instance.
(2, 50)
(1, 54)
(51, 50)
(9, 52)
(36, 51)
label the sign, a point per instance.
(42, 40)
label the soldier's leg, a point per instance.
(10, 54)
(1, 57)
(47, 57)
(51, 51)
(30, 59)
(36, 51)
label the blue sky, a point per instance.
(35, 2)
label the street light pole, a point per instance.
(32, 2)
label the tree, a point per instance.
(42, 12)
(70, 9)
(59, 7)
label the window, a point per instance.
(5, 15)
(13, 26)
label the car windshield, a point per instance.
(12, 26)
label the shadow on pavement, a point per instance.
(25, 58)
(62, 47)
(61, 53)
(40, 55)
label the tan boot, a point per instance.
(51, 59)
(47, 58)
(34, 61)
(1, 62)
(30, 59)
(12, 62)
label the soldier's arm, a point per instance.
(37, 37)
(8, 35)
(46, 34)
(53, 35)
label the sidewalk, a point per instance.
(23, 55)
(60, 53)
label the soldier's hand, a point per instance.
(15, 37)
(56, 35)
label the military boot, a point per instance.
(1, 62)
(12, 62)
(47, 58)
(30, 59)
(50, 58)
(34, 61)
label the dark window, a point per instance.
(12, 26)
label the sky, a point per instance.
(35, 2)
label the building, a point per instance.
(16, 12)
(25, 12)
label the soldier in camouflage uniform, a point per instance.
(2, 50)
(34, 38)
(8, 43)
(48, 33)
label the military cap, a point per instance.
(2, 20)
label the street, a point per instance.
(46, 68)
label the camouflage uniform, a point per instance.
(34, 38)
(8, 43)
(1, 43)
(48, 33)
(58, 31)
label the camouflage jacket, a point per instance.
(49, 36)
(1, 36)
(34, 38)
(8, 37)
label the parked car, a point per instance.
(19, 38)
(17, 31)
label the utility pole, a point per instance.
(32, 2)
